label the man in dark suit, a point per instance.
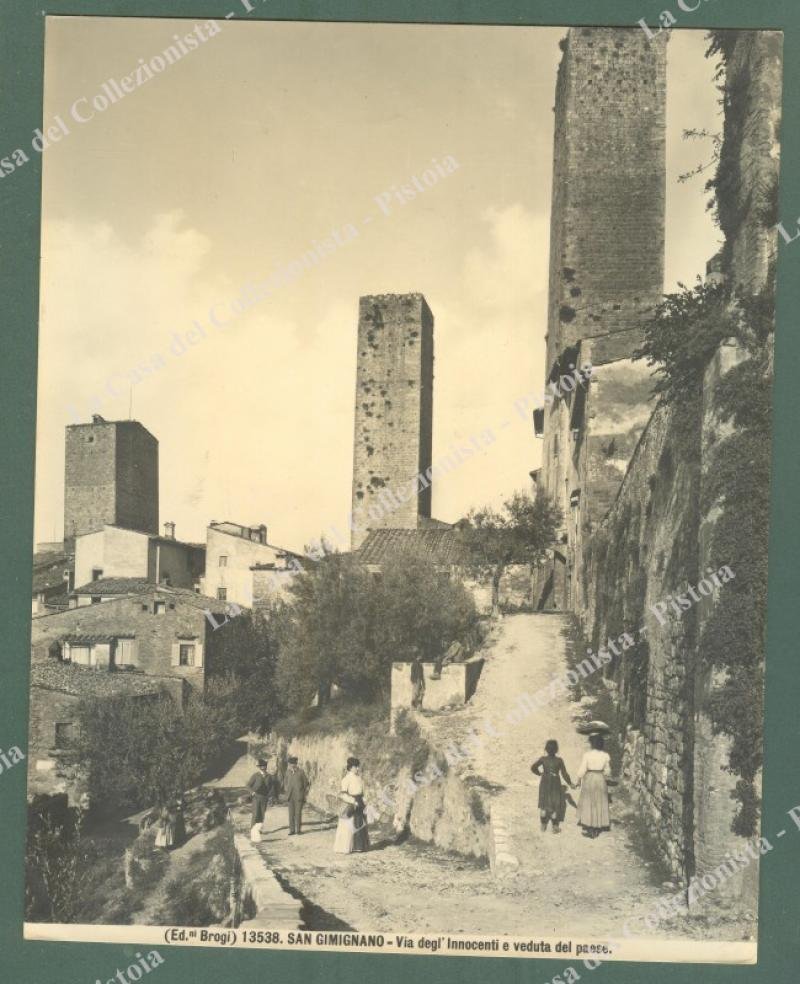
(259, 786)
(295, 786)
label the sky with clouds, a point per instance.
(231, 163)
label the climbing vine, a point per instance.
(733, 639)
(679, 343)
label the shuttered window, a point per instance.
(125, 654)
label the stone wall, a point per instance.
(275, 908)
(453, 688)
(747, 197)
(443, 811)
(394, 410)
(644, 553)
(111, 476)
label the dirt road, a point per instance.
(559, 884)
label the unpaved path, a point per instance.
(560, 885)
(565, 882)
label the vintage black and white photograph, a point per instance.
(402, 488)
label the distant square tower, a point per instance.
(394, 412)
(111, 476)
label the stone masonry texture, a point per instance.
(607, 219)
(647, 540)
(394, 412)
(111, 476)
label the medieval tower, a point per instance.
(394, 412)
(606, 268)
(111, 476)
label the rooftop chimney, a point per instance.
(169, 531)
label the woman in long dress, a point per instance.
(165, 827)
(593, 801)
(351, 832)
(552, 801)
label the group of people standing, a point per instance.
(266, 788)
(352, 834)
(593, 775)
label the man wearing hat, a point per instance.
(259, 786)
(295, 786)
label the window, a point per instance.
(222, 594)
(65, 732)
(96, 599)
(145, 607)
(172, 606)
(159, 607)
(81, 655)
(187, 651)
(223, 560)
(125, 653)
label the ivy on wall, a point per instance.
(733, 638)
(679, 342)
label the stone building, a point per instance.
(113, 551)
(242, 568)
(133, 626)
(606, 274)
(393, 414)
(110, 477)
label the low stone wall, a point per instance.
(275, 908)
(421, 795)
(453, 688)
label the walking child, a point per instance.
(552, 801)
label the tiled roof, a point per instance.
(89, 682)
(115, 586)
(48, 570)
(443, 546)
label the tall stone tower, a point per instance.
(606, 270)
(394, 412)
(111, 476)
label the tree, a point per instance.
(142, 752)
(421, 610)
(56, 859)
(519, 533)
(348, 625)
(328, 631)
(244, 665)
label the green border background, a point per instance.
(21, 61)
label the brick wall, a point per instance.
(394, 409)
